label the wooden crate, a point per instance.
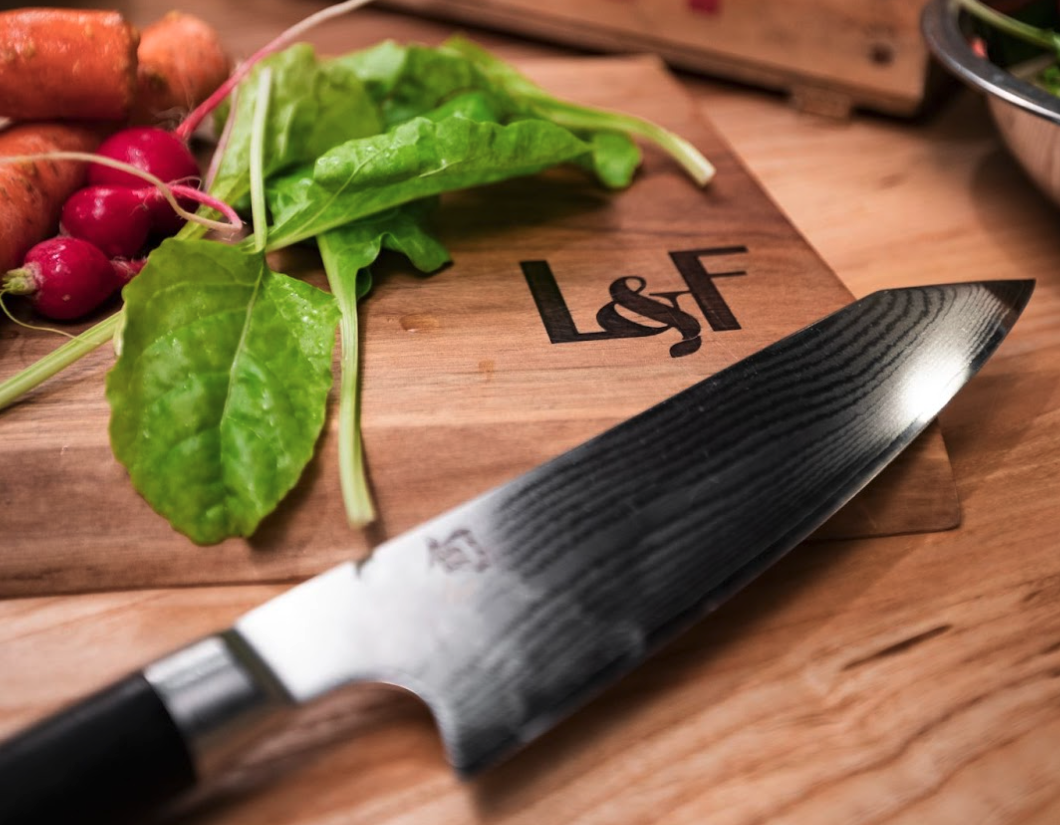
(829, 55)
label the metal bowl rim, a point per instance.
(939, 24)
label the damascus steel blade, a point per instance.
(508, 612)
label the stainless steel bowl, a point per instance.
(1027, 117)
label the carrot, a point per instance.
(66, 64)
(181, 61)
(32, 194)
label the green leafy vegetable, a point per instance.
(1013, 39)
(220, 391)
(1049, 79)
(220, 388)
(410, 81)
(313, 106)
(534, 101)
(473, 105)
(614, 159)
(414, 160)
(347, 252)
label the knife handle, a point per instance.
(108, 758)
(139, 743)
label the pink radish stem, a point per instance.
(185, 130)
(234, 222)
(222, 144)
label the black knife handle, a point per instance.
(107, 759)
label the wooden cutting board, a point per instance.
(476, 373)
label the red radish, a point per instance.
(115, 219)
(164, 221)
(148, 148)
(64, 278)
(153, 150)
(125, 270)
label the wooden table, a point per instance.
(903, 679)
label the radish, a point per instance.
(116, 219)
(125, 270)
(64, 278)
(164, 221)
(148, 148)
(157, 152)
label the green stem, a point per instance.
(1017, 28)
(353, 479)
(59, 359)
(257, 160)
(579, 117)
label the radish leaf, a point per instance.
(409, 81)
(313, 106)
(414, 160)
(347, 252)
(220, 391)
(533, 101)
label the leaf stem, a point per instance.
(222, 143)
(1017, 28)
(691, 159)
(59, 359)
(169, 191)
(185, 130)
(258, 214)
(356, 496)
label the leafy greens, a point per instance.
(220, 389)
(347, 253)
(1017, 39)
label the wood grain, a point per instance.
(908, 679)
(462, 389)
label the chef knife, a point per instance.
(508, 612)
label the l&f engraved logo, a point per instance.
(660, 309)
(459, 551)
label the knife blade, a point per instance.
(507, 613)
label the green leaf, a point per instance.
(462, 79)
(403, 229)
(1049, 79)
(502, 75)
(313, 106)
(614, 159)
(409, 81)
(476, 105)
(417, 159)
(220, 391)
(347, 252)
(531, 100)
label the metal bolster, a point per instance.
(219, 695)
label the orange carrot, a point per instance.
(66, 64)
(32, 194)
(181, 61)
